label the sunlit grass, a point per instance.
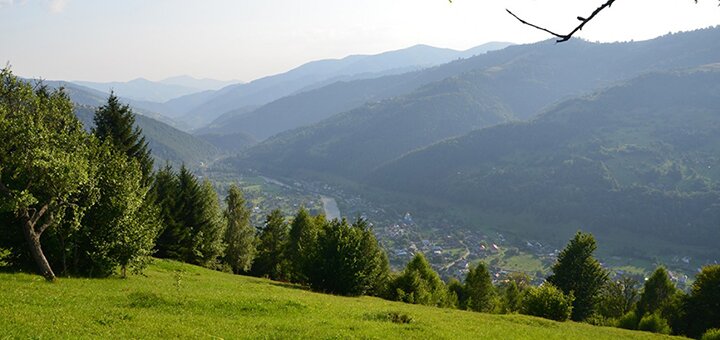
(177, 300)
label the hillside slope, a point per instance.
(174, 300)
(514, 83)
(638, 164)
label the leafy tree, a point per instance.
(478, 292)
(302, 244)
(349, 260)
(116, 122)
(704, 302)
(657, 292)
(618, 297)
(576, 272)
(208, 227)
(44, 163)
(119, 229)
(270, 260)
(420, 284)
(239, 234)
(511, 297)
(547, 301)
(455, 291)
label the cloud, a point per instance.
(6, 3)
(56, 6)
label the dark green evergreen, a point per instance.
(578, 273)
(270, 261)
(420, 284)
(478, 291)
(302, 245)
(703, 307)
(239, 234)
(116, 122)
(657, 293)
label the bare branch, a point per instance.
(566, 37)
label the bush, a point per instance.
(654, 323)
(547, 302)
(711, 334)
(628, 321)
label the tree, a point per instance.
(349, 260)
(270, 260)
(239, 234)
(576, 272)
(302, 245)
(657, 293)
(704, 302)
(420, 284)
(116, 122)
(618, 297)
(511, 297)
(478, 292)
(119, 229)
(44, 163)
(547, 301)
(193, 221)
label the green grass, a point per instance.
(175, 300)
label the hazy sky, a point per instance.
(104, 40)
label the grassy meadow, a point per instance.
(178, 300)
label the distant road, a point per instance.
(331, 208)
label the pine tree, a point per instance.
(239, 234)
(479, 292)
(420, 284)
(657, 292)
(302, 244)
(116, 122)
(576, 272)
(165, 192)
(270, 260)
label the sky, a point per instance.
(106, 40)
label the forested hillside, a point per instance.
(514, 83)
(637, 163)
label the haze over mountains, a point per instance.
(141, 89)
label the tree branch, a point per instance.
(566, 37)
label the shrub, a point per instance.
(547, 302)
(711, 334)
(654, 323)
(628, 321)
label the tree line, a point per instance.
(88, 203)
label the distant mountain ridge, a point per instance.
(202, 108)
(141, 89)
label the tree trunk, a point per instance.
(33, 240)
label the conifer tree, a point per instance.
(239, 234)
(704, 302)
(164, 191)
(420, 284)
(579, 274)
(116, 122)
(270, 260)
(479, 292)
(302, 244)
(657, 292)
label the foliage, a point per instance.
(654, 323)
(239, 234)
(657, 292)
(194, 228)
(420, 284)
(711, 334)
(44, 161)
(618, 297)
(478, 291)
(270, 261)
(548, 302)
(349, 260)
(703, 307)
(511, 297)
(628, 321)
(577, 273)
(115, 122)
(302, 245)
(121, 227)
